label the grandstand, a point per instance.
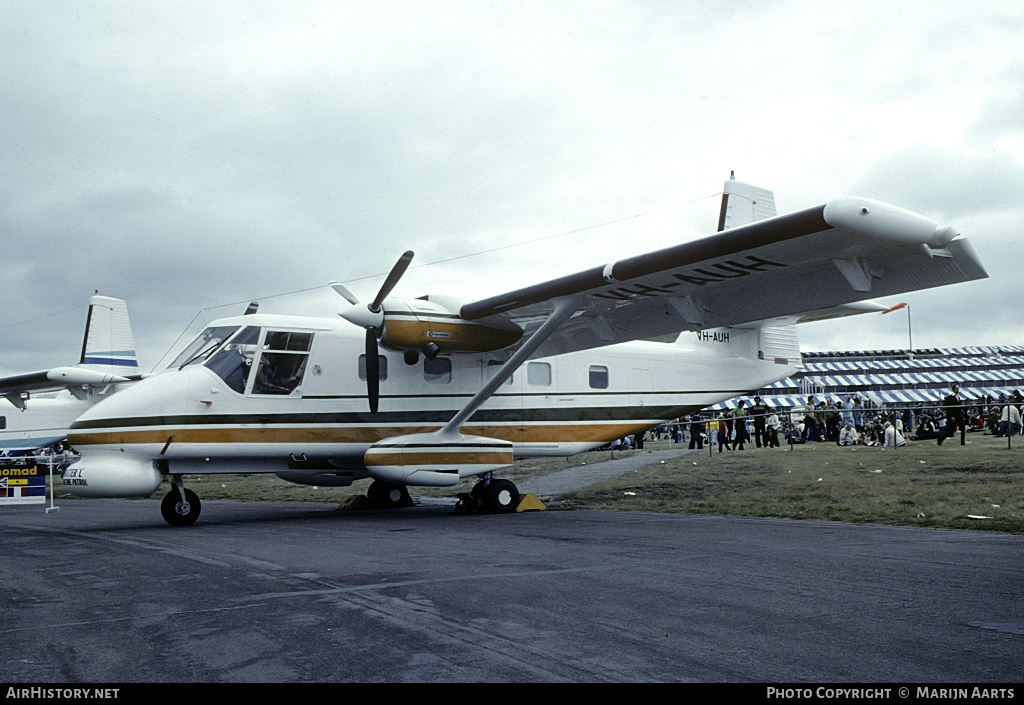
(897, 378)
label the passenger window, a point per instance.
(598, 377)
(283, 363)
(382, 367)
(538, 374)
(492, 369)
(3, 422)
(438, 370)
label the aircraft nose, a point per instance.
(122, 418)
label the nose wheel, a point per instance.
(180, 507)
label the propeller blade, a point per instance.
(393, 276)
(372, 369)
(344, 293)
(372, 318)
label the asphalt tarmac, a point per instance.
(102, 591)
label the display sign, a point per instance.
(22, 484)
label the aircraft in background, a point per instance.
(43, 404)
(430, 390)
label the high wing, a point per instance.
(843, 252)
(108, 356)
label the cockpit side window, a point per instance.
(233, 361)
(200, 349)
(283, 362)
(288, 340)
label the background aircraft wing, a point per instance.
(846, 251)
(56, 378)
(108, 356)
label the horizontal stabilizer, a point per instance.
(854, 308)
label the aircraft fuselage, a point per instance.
(287, 395)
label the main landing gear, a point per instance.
(386, 495)
(180, 507)
(490, 495)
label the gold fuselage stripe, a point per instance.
(541, 433)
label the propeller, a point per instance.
(372, 319)
(372, 369)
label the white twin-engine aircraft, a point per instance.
(431, 390)
(44, 403)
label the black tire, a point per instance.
(479, 491)
(502, 496)
(388, 495)
(178, 513)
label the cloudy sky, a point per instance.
(192, 156)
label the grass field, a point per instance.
(920, 485)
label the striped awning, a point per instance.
(892, 379)
(915, 364)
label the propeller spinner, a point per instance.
(372, 318)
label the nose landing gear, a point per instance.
(180, 507)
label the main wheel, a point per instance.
(177, 512)
(502, 496)
(385, 494)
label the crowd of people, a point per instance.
(851, 422)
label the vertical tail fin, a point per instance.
(109, 346)
(743, 204)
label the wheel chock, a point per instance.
(354, 501)
(530, 503)
(468, 504)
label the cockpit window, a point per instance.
(233, 361)
(282, 363)
(288, 340)
(233, 354)
(203, 346)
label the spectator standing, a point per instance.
(758, 413)
(954, 416)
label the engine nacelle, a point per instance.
(112, 474)
(414, 324)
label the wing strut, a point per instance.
(564, 308)
(440, 458)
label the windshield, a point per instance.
(202, 347)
